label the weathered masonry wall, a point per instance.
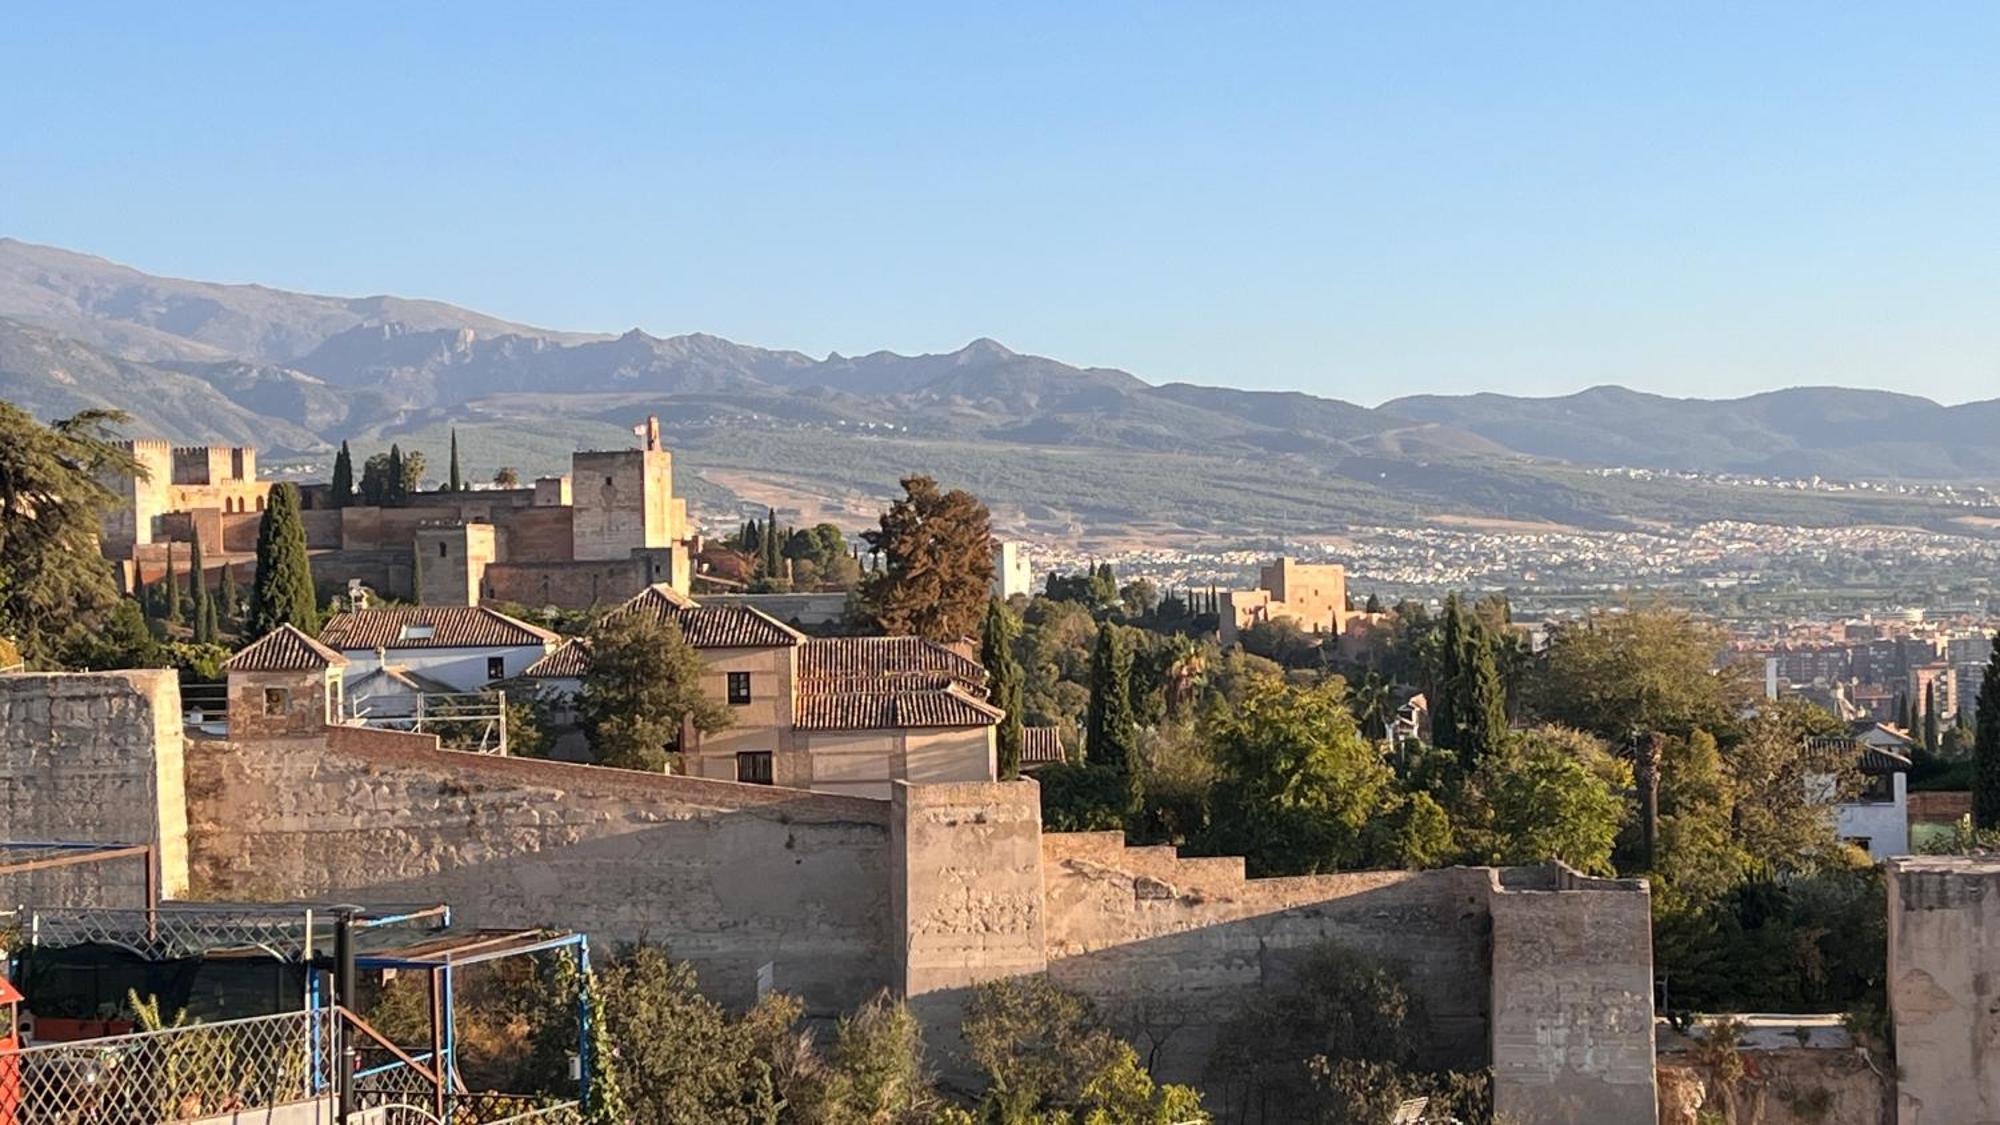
(1944, 987)
(1172, 947)
(744, 881)
(1572, 979)
(94, 759)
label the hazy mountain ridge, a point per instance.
(296, 373)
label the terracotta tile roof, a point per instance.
(875, 657)
(1041, 746)
(449, 626)
(1836, 751)
(284, 649)
(951, 706)
(568, 662)
(711, 626)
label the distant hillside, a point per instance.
(1829, 431)
(1071, 448)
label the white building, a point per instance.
(1010, 570)
(1877, 818)
(395, 654)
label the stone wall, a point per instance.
(1572, 980)
(93, 758)
(1944, 987)
(1170, 947)
(571, 585)
(731, 877)
(1782, 1086)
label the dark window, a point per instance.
(754, 767)
(607, 480)
(739, 688)
(276, 700)
(1878, 788)
(443, 550)
(496, 667)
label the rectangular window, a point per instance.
(496, 668)
(753, 767)
(739, 688)
(276, 699)
(444, 550)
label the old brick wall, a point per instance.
(534, 534)
(731, 877)
(1572, 981)
(571, 585)
(93, 757)
(1171, 947)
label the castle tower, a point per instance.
(623, 500)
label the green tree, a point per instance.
(1481, 698)
(377, 475)
(228, 596)
(202, 608)
(1986, 746)
(175, 603)
(1448, 679)
(1554, 797)
(506, 477)
(457, 482)
(1111, 736)
(1931, 718)
(643, 684)
(397, 483)
(412, 476)
(937, 563)
(1374, 604)
(1297, 785)
(125, 641)
(1006, 684)
(1784, 805)
(1646, 669)
(343, 477)
(1047, 1057)
(283, 590)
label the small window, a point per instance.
(607, 482)
(417, 631)
(496, 668)
(753, 767)
(739, 688)
(277, 700)
(444, 550)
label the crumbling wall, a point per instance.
(1572, 987)
(1944, 987)
(1789, 1086)
(96, 758)
(754, 885)
(1171, 947)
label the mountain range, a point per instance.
(296, 373)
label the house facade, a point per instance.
(1876, 816)
(396, 654)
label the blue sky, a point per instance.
(1361, 201)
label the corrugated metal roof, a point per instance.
(284, 649)
(1040, 746)
(423, 626)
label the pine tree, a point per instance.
(1930, 717)
(283, 591)
(203, 610)
(397, 491)
(1006, 681)
(1986, 746)
(343, 477)
(1374, 603)
(171, 611)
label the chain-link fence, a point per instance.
(175, 1074)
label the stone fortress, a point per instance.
(1541, 973)
(598, 535)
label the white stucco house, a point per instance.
(1877, 818)
(396, 654)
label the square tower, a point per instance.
(622, 501)
(451, 561)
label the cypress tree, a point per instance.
(227, 593)
(397, 493)
(1004, 675)
(283, 591)
(770, 544)
(1111, 736)
(343, 477)
(202, 610)
(172, 609)
(1986, 746)
(457, 483)
(1930, 717)
(1449, 681)
(1482, 699)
